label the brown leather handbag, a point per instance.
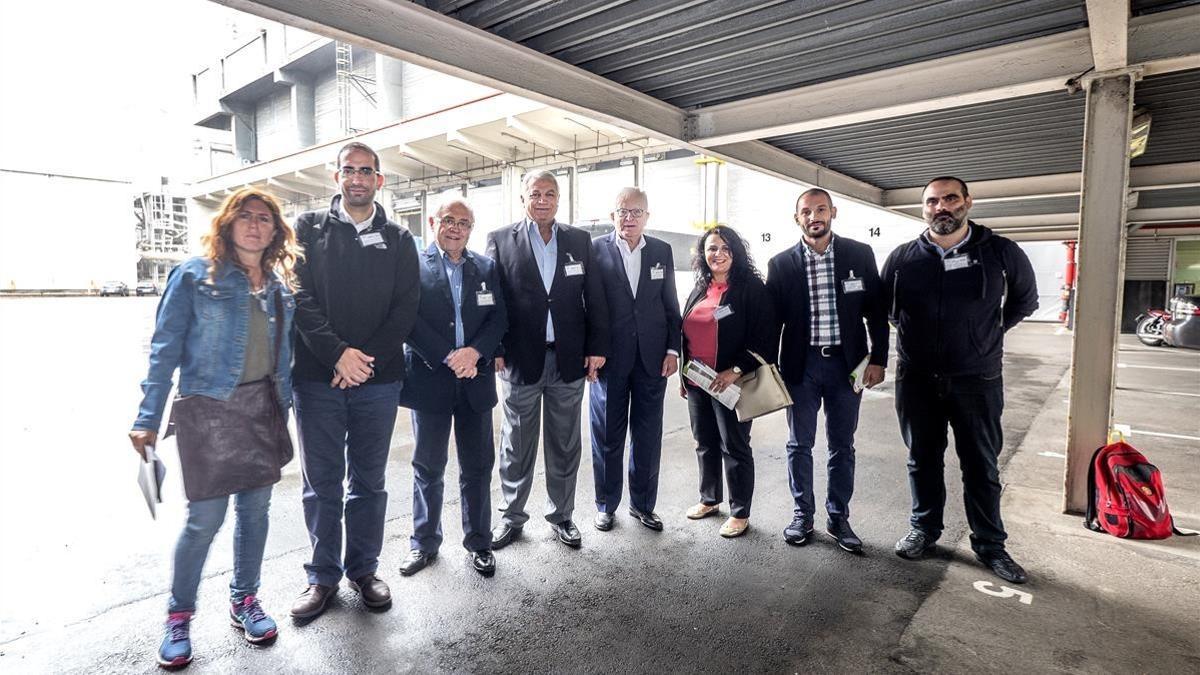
(226, 447)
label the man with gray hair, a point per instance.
(559, 334)
(638, 272)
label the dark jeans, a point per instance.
(344, 432)
(720, 437)
(971, 405)
(827, 383)
(627, 404)
(476, 457)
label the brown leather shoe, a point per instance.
(375, 594)
(313, 601)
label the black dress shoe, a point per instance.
(374, 592)
(603, 521)
(483, 562)
(416, 561)
(914, 544)
(844, 536)
(1003, 566)
(799, 533)
(567, 533)
(650, 520)
(503, 535)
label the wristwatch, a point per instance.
(737, 371)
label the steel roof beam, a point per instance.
(1161, 42)
(535, 133)
(1108, 24)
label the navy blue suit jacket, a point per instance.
(641, 329)
(787, 281)
(580, 313)
(431, 384)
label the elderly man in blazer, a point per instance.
(558, 335)
(449, 354)
(627, 396)
(828, 298)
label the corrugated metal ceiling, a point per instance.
(695, 53)
(1174, 104)
(1140, 7)
(1164, 199)
(1022, 207)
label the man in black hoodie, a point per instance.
(953, 292)
(355, 306)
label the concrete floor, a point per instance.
(86, 589)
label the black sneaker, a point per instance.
(1003, 566)
(914, 544)
(799, 533)
(844, 536)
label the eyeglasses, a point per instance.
(635, 213)
(364, 171)
(449, 222)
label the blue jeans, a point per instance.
(827, 383)
(344, 432)
(249, 538)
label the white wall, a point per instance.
(77, 248)
(1049, 259)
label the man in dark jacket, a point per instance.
(953, 292)
(627, 397)
(557, 335)
(355, 306)
(825, 288)
(451, 383)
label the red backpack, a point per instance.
(1126, 497)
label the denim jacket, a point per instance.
(201, 329)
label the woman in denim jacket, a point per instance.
(216, 324)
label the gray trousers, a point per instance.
(562, 443)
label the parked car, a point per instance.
(114, 288)
(146, 288)
(1183, 330)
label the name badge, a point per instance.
(656, 272)
(722, 312)
(372, 239)
(573, 269)
(852, 284)
(957, 262)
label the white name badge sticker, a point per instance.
(573, 269)
(484, 299)
(371, 239)
(957, 262)
(722, 312)
(656, 272)
(853, 285)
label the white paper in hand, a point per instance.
(856, 377)
(150, 478)
(702, 376)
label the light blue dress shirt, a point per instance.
(546, 256)
(454, 272)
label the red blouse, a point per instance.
(700, 327)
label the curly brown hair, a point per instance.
(281, 253)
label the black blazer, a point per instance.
(580, 313)
(642, 329)
(751, 326)
(431, 385)
(787, 281)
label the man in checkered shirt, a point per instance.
(828, 299)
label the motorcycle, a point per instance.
(1150, 326)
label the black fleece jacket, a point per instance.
(951, 317)
(352, 295)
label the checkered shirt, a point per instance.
(823, 329)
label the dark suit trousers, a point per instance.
(721, 438)
(827, 383)
(476, 457)
(619, 404)
(971, 405)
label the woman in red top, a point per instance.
(727, 316)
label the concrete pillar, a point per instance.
(639, 169)
(245, 135)
(573, 205)
(711, 187)
(304, 113)
(511, 209)
(1101, 270)
(389, 88)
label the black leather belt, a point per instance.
(828, 350)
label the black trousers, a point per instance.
(971, 405)
(721, 438)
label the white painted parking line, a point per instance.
(1186, 370)
(1129, 432)
(1056, 455)
(1158, 391)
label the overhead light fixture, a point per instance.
(1139, 135)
